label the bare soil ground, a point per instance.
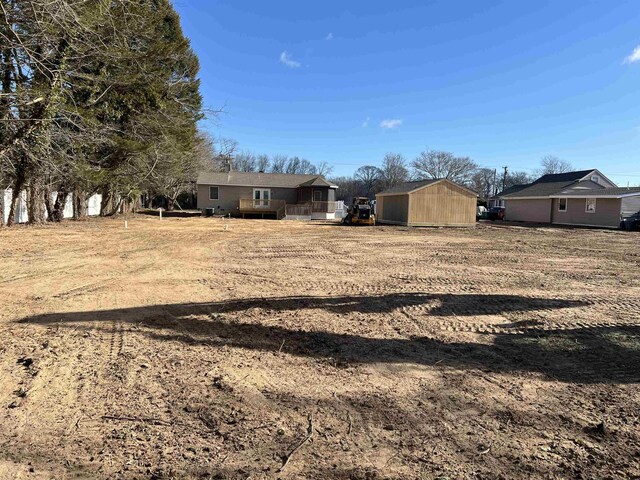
(175, 349)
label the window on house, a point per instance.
(595, 179)
(562, 205)
(317, 195)
(590, 205)
(213, 193)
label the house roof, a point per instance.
(511, 189)
(315, 182)
(548, 185)
(259, 179)
(564, 177)
(540, 189)
(408, 187)
(617, 192)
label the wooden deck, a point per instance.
(280, 208)
(262, 207)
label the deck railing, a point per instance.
(272, 205)
(259, 205)
(303, 209)
(323, 207)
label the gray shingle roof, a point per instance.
(548, 184)
(409, 186)
(599, 192)
(256, 179)
(315, 182)
(511, 189)
(540, 189)
(564, 177)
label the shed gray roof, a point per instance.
(257, 179)
(599, 192)
(408, 187)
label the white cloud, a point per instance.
(286, 59)
(365, 124)
(634, 57)
(329, 36)
(391, 123)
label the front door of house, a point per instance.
(261, 197)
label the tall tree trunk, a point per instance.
(107, 201)
(35, 205)
(1, 205)
(58, 206)
(115, 208)
(46, 196)
(79, 204)
(18, 185)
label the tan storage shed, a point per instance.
(427, 203)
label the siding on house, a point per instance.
(306, 194)
(588, 185)
(607, 212)
(630, 205)
(536, 211)
(442, 203)
(393, 209)
(229, 197)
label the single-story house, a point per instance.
(584, 197)
(602, 207)
(437, 202)
(276, 195)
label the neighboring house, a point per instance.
(585, 197)
(276, 195)
(437, 202)
(602, 207)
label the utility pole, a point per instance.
(504, 178)
(495, 183)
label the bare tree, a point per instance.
(297, 165)
(225, 150)
(245, 162)
(369, 176)
(552, 164)
(394, 170)
(436, 164)
(348, 187)
(278, 163)
(263, 163)
(206, 154)
(324, 169)
(484, 182)
(518, 178)
(293, 165)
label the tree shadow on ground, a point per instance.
(579, 355)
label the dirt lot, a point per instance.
(176, 349)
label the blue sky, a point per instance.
(504, 82)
